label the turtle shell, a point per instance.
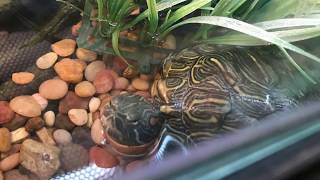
(205, 86)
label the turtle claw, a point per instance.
(168, 145)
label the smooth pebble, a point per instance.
(43, 102)
(62, 136)
(94, 104)
(47, 60)
(86, 55)
(22, 77)
(93, 69)
(25, 106)
(53, 89)
(85, 89)
(49, 118)
(78, 116)
(64, 47)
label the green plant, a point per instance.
(252, 23)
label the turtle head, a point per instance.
(131, 124)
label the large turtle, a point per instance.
(203, 92)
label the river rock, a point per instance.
(64, 47)
(79, 117)
(25, 106)
(45, 136)
(140, 84)
(93, 69)
(47, 60)
(53, 89)
(121, 83)
(17, 122)
(85, 89)
(104, 81)
(82, 136)
(63, 122)
(69, 70)
(86, 55)
(5, 140)
(49, 118)
(94, 104)
(102, 158)
(34, 124)
(22, 77)
(73, 156)
(72, 101)
(15, 175)
(41, 100)
(10, 162)
(6, 114)
(19, 134)
(62, 136)
(97, 133)
(41, 159)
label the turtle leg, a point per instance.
(234, 121)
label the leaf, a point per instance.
(297, 66)
(238, 39)
(153, 16)
(182, 12)
(246, 29)
(162, 5)
(278, 9)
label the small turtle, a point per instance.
(203, 92)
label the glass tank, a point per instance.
(159, 89)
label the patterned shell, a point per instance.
(206, 90)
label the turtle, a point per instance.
(203, 92)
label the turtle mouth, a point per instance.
(130, 150)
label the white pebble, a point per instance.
(43, 102)
(47, 60)
(79, 117)
(49, 117)
(62, 136)
(94, 104)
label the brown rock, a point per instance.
(64, 47)
(15, 148)
(53, 89)
(86, 55)
(146, 77)
(22, 77)
(85, 89)
(82, 136)
(130, 73)
(25, 106)
(119, 65)
(75, 28)
(2, 177)
(140, 84)
(72, 101)
(17, 122)
(82, 62)
(104, 81)
(5, 140)
(6, 114)
(93, 69)
(102, 158)
(34, 124)
(63, 122)
(73, 156)
(97, 132)
(14, 175)
(121, 83)
(62, 136)
(41, 159)
(94, 104)
(45, 136)
(10, 162)
(69, 70)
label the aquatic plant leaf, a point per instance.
(278, 9)
(295, 29)
(245, 28)
(162, 5)
(153, 16)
